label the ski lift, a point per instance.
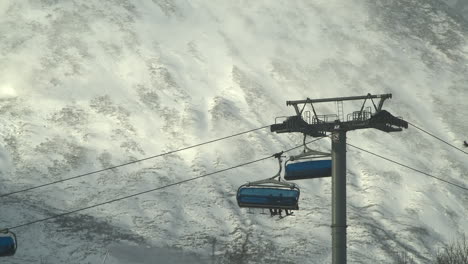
(269, 193)
(306, 165)
(8, 243)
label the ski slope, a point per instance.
(86, 85)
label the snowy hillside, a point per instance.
(458, 7)
(86, 85)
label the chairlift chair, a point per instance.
(8, 243)
(269, 194)
(308, 165)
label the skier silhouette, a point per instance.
(465, 143)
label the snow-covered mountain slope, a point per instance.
(85, 85)
(459, 7)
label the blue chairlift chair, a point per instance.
(270, 194)
(308, 165)
(8, 243)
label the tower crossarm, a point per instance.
(381, 119)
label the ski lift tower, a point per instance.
(318, 126)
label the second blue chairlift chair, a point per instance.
(270, 194)
(306, 165)
(8, 243)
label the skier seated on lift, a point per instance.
(274, 212)
(465, 143)
(279, 212)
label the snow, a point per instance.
(85, 86)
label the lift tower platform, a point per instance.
(315, 125)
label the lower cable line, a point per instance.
(408, 167)
(128, 163)
(135, 194)
(148, 191)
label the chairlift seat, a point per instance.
(268, 197)
(308, 170)
(7, 246)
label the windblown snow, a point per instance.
(86, 85)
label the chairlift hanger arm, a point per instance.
(308, 152)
